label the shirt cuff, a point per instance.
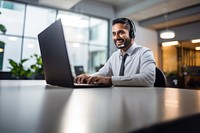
(115, 80)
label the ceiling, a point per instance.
(152, 14)
(145, 9)
(64, 4)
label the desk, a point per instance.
(28, 106)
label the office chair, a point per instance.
(160, 79)
(79, 70)
(98, 67)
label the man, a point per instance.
(139, 63)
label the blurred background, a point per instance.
(169, 27)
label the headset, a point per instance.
(132, 31)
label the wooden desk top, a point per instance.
(28, 106)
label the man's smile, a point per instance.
(119, 41)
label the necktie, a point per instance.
(121, 73)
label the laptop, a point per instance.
(55, 58)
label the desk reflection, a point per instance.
(20, 109)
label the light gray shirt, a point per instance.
(139, 67)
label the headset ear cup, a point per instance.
(132, 29)
(132, 33)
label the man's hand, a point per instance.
(80, 79)
(84, 78)
(99, 80)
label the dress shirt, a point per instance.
(139, 67)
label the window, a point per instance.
(12, 17)
(11, 50)
(86, 37)
(99, 31)
(94, 33)
(45, 16)
(21, 36)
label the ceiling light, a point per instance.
(170, 43)
(31, 46)
(195, 41)
(167, 34)
(75, 21)
(1, 50)
(197, 48)
(76, 45)
(79, 36)
(12, 38)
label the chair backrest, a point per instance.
(160, 79)
(98, 67)
(78, 70)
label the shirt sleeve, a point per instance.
(106, 70)
(146, 75)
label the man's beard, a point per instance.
(126, 43)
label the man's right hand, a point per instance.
(81, 79)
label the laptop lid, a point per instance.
(55, 58)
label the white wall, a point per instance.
(147, 38)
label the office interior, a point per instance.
(87, 26)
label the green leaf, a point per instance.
(18, 70)
(3, 28)
(24, 60)
(2, 43)
(13, 63)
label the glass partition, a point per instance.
(181, 64)
(12, 17)
(86, 37)
(11, 50)
(37, 19)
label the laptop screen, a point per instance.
(55, 56)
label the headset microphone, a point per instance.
(121, 46)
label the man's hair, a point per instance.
(122, 21)
(128, 24)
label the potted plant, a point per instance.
(35, 71)
(18, 70)
(37, 68)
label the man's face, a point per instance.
(121, 35)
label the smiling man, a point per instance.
(130, 65)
